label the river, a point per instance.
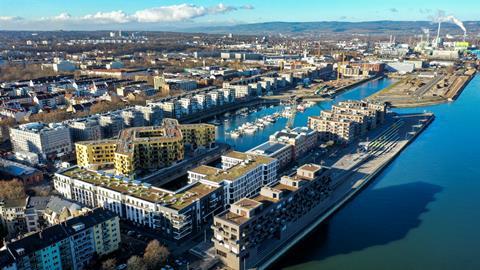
(422, 212)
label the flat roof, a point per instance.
(250, 162)
(234, 218)
(311, 167)
(247, 203)
(137, 189)
(268, 148)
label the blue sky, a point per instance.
(162, 14)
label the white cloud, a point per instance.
(107, 17)
(221, 8)
(10, 18)
(172, 13)
(61, 17)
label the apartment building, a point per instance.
(282, 152)
(26, 215)
(42, 139)
(335, 129)
(145, 148)
(203, 101)
(241, 174)
(12, 216)
(173, 214)
(132, 118)
(152, 114)
(358, 120)
(111, 125)
(374, 112)
(253, 228)
(302, 140)
(69, 245)
(171, 109)
(85, 129)
(241, 91)
(348, 120)
(166, 85)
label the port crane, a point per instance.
(291, 115)
(340, 65)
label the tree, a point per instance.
(155, 255)
(13, 189)
(7, 122)
(109, 264)
(136, 263)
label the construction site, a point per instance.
(424, 89)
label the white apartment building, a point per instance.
(216, 98)
(185, 105)
(85, 130)
(42, 139)
(242, 91)
(228, 95)
(241, 175)
(333, 129)
(175, 214)
(204, 101)
(111, 124)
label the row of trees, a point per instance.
(14, 72)
(154, 257)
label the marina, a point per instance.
(279, 113)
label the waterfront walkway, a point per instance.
(353, 169)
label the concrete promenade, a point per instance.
(354, 170)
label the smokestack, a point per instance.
(442, 18)
(438, 33)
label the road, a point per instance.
(424, 89)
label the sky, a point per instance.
(171, 14)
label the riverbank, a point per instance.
(354, 176)
(427, 193)
(212, 113)
(309, 94)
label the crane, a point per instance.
(340, 65)
(291, 116)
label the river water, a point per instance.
(422, 212)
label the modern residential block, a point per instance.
(253, 228)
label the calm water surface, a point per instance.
(422, 212)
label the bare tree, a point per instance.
(155, 255)
(13, 189)
(109, 264)
(136, 263)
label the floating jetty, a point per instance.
(249, 128)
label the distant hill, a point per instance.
(371, 27)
